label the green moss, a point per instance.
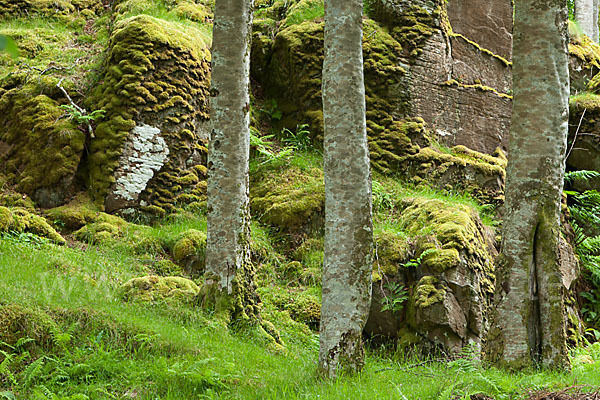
(427, 294)
(303, 306)
(481, 49)
(445, 234)
(392, 250)
(11, 8)
(155, 288)
(42, 163)
(583, 48)
(100, 232)
(412, 29)
(83, 216)
(477, 86)
(156, 72)
(290, 199)
(440, 260)
(166, 268)
(191, 243)
(21, 220)
(9, 198)
(192, 11)
(6, 219)
(17, 322)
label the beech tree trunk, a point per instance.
(529, 319)
(348, 214)
(595, 22)
(229, 278)
(586, 16)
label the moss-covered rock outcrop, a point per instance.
(398, 143)
(43, 162)
(150, 150)
(443, 262)
(21, 220)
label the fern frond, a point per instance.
(33, 371)
(581, 176)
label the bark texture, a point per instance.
(528, 322)
(229, 283)
(595, 21)
(348, 214)
(586, 16)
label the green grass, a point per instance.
(106, 348)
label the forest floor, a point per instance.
(81, 340)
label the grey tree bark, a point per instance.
(595, 36)
(586, 16)
(528, 321)
(348, 210)
(229, 278)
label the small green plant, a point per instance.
(299, 140)
(80, 117)
(382, 199)
(394, 300)
(25, 238)
(271, 110)
(416, 262)
(262, 149)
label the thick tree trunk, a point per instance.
(528, 322)
(229, 285)
(348, 219)
(585, 12)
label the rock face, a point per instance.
(396, 89)
(448, 283)
(466, 100)
(150, 150)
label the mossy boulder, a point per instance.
(149, 154)
(291, 199)
(98, 232)
(166, 268)
(43, 162)
(156, 289)
(189, 251)
(446, 257)
(80, 211)
(21, 220)
(18, 322)
(302, 305)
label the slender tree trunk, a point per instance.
(595, 22)
(585, 10)
(229, 280)
(348, 219)
(528, 322)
